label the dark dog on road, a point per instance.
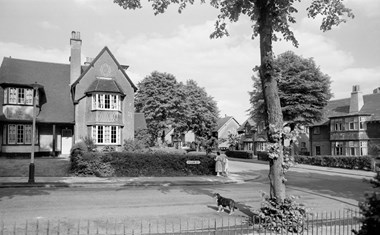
(225, 202)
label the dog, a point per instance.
(223, 202)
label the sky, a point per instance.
(179, 44)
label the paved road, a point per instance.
(318, 190)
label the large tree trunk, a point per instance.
(272, 100)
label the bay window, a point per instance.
(106, 102)
(106, 134)
(22, 96)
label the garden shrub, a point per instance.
(134, 164)
(92, 164)
(108, 149)
(129, 164)
(370, 209)
(288, 216)
(239, 154)
(348, 162)
(76, 152)
(90, 144)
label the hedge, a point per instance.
(132, 164)
(347, 162)
(239, 154)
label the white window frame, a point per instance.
(23, 96)
(261, 146)
(20, 134)
(106, 101)
(106, 135)
(363, 148)
(361, 123)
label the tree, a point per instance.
(160, 97)
(303, 89)
(166, 102)
(271, 19)
(202, 112)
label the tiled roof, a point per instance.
(341, 108)
(221, 121)
(105, 85)
(54, 77)
(249, 121)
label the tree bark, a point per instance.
(274, 120)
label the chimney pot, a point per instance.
(356, 102)
(75, 57)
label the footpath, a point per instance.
(237, 175)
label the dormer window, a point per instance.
(19, 96)
(106, 102)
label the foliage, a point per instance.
(91, 164)
(167, 103)
(78, 148)
(203, 111)
(374, 149)
(370, 209)
(288, 216)
(348, 162)
(210, 144)
(90, 143)
(134, 146)
(239, 154)
(108, 149)
(271, 21)
(233, 139)
(303, 90)
(134, 164)
(160, 97)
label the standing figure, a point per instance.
(218, 164)
(225, 166)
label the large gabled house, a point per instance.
(350, 127)
(73, 101)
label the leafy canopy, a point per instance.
(303, 89)
(282, 12)
(168, 103)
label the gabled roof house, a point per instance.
(350, 126)
(73, 101)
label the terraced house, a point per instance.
(72, 101)
(350, 127)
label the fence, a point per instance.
(336, 223)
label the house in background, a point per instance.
(225, 126)
(93, 100)
(253, 137)
(170, 138)
(350, 126)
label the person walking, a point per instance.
(218, 164)
(225, 166)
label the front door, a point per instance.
(67, 141)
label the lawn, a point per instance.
(19, 167)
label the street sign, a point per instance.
(189, 162)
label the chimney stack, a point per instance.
(75, 58)
(356, 102)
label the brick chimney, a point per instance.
(75, 58)
(356, 102)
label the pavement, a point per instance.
(236, 176)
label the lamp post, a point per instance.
(36, 88)
(31, 165)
